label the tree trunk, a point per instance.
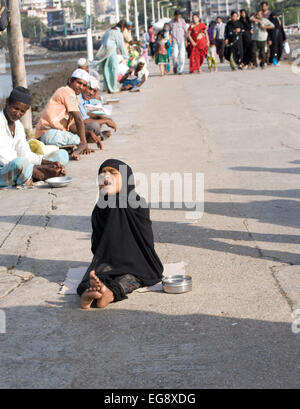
(16, 53)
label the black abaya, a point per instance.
(235, 40)
(247, 43)
(122, 239)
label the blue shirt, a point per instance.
(82, 107)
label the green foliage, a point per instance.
(76, 9)
(32, 27)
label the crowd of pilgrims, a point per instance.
(246, 41)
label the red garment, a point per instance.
(199, 51)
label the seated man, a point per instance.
(135, 76)
(62, 109)
(94, 121)
(18, 165)
(84, 65)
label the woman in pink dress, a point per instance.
(199, 41)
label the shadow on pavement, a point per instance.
(57, 345)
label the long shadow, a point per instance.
(64, 222)
(272, 170)
(277, 211)
(56, 345)
(50, 269)
(289, 193)
(211, 239)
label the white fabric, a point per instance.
(17, 146)
(75, 275)
(286, 47)
(82, 62)
(81, 74)
(94, 84)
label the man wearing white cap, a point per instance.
(93, 118)
(61, 111)
(84, 65)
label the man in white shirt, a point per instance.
(18, 165)
(179, 38)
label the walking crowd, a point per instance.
(245, 41)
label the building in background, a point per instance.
(213, 8)
(101, 7)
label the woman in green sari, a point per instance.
(106, 58)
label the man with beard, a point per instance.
(18, 165)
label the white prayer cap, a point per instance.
(82, 62)
(94, 84)
(81, 74)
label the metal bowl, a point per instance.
(177, 284)
(112, 100)
(60, 181)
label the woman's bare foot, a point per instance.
(89, 296)
(94, 280)
(107, 296)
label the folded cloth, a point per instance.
(40, 148)
(75, 276)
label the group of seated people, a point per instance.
(73, 117)
(133, 73)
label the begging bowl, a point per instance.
(60, 181)
(112, 100)
(177, 284)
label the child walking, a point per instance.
(161, 54)
(212, 56)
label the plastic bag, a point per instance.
(286, 47)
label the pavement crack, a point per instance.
(12, 229)
(280, 289)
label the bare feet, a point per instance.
(107, 297)
(83, 149)
(94, 280)
(105, 135)
(43, 172)
(89, 296)
(29, 182)
(97, 291)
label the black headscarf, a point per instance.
(122, 236)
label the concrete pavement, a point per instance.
(241, 130)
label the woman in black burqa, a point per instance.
(122, 241)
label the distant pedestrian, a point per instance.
(246, 34)
(234, 41)
(276, 35)
(220, 38)
(260, 35)
(179, 37)
(211, 31)
(212, 56)
(198, 37)
(161, 54)
(152, 40)
(107, 56)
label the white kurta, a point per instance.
(17, 146)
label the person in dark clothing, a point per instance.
(247, 32)
(276, 35)
(220, 38)
(234, 40)
(122, 241)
